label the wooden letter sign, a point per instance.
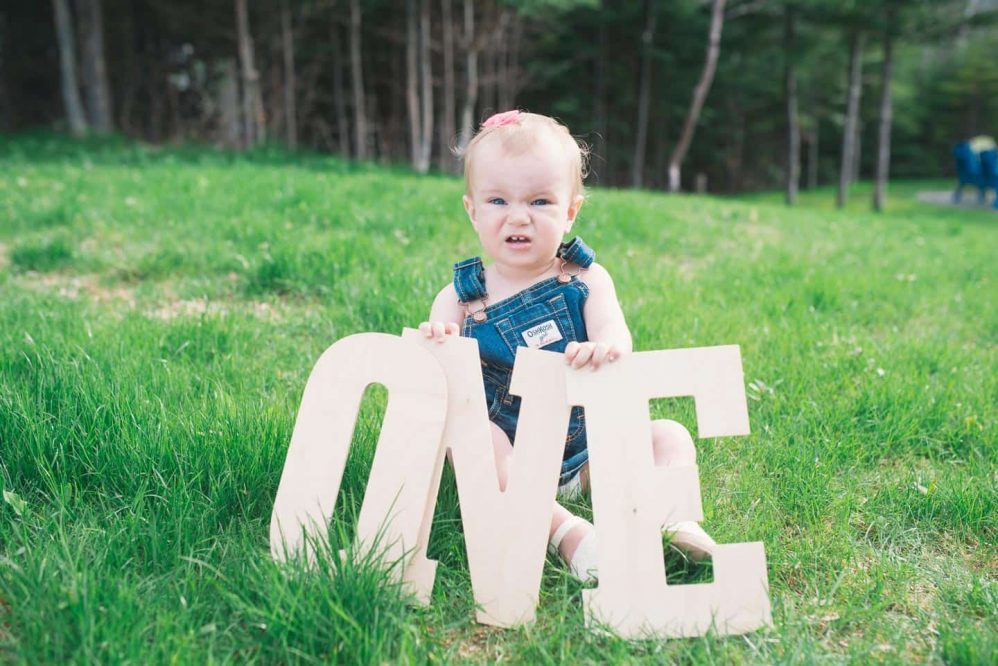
(436, 404)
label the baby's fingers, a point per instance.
(450, 328)
(600, 354)
(585, 353)
(438, 330)
(571, 350)
(426, 329)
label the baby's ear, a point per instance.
(574, 207)
(469, 208)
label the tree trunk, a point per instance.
(502, 63)
(513, 77)
(253, 119)
(95, 66)
(644, 91)
(857, 147)
(67, 67)
(812, 157)
(884, 133)
(793, 122)
(599, 150)
(488, 92)
(448, 121)
(852, 117)
(339, 91)
(699, 95)
(969, 11)
(357, 81)
(288, 50)
(735, 155)
(412, 80)
(426, 88)
(470, 46)
(230, 122)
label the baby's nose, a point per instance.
(519, 213)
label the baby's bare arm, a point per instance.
(609, 336)
(446, 316)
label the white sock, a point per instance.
(583, 563)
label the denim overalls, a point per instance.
(549, 316)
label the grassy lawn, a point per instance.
(160, 312)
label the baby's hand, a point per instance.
(579, 354)
(438, 330)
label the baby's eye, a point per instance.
(498, 201)
(540, 202)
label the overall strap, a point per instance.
(577, 252)
(469, 280)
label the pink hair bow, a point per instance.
(502, 119)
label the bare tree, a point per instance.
(288, 51)
(448, 120)
(426, 88)
(339, 91)
(254, 131)
(419, 84)
(884, 129)
(857, 150)
(357, 81)
(790, 88)
(852, 116)
(67, 67)
(470, 46)
(969, 11)
(813, 145)
(599, 96)
(699, 94)
(230, 118)
(412, 80)
(644, 92)
(98, 91)
(508, 59)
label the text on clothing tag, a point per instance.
(542, 334)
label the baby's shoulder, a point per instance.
(446, 306)
(596, 277)
(447, 294)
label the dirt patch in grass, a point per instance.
(89, 287)
(75, 287)
(755, 230)
(474, 645)
(197, 307)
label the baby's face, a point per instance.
(521, 205)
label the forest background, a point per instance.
(725, 96)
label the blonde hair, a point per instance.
(519, 135)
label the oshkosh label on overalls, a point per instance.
(542, 334)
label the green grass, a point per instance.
(160, 311)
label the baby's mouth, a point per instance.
(517, 239)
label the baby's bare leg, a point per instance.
(672, 444)
(502, 450)
(673, 447)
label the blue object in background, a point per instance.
(977, 169)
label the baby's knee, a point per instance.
(673, 443)
(502, 450)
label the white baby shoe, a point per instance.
(690, 538)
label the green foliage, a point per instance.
(46, 254)
(148, 392)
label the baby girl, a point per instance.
(523, 190)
